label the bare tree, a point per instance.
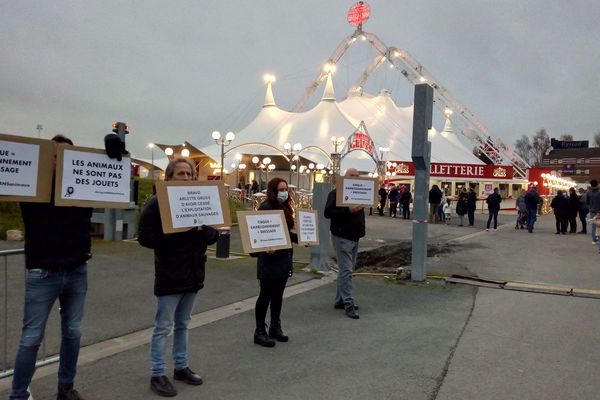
(540, 144)
(524, 148)
(566, 138)
(597, 138)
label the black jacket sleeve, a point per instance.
(331, 210)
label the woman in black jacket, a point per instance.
(179, 263)
(573, 209)
(273, 269)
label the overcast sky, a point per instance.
(177, 70)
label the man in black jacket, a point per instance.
(57, 248)
(347, 227)
(179, 263)
(493, 201)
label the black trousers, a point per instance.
(582, 215)
(573, 222)
(471, 214)
(561, 223)
(393, 208)
(406, 211)
(271, 292)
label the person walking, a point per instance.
(493, 201)
(471, 206)
(347, 227)
(57, 249)
(593, 201)
(273, 268)
(383, 195)
(406, 199)
(435, 198)
(461, 206)
(584, 209)
(394, 197)
(572, 210)
(560, 205)
(448, 211)
(521, 211)
(532, 201)
(179, 269)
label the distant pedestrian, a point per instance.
(254, 188)
(383, 194)
(560, 205)
(573, 209)
(584, 209)
(461, 206)
(179, 269)
(521, 212)
(394, 197)
(273, 270)
(471, 206)
(405, 200)
(440, 210)
(435, 198)
(532, 202)
(448, 211)
(57, 249)
(347, 227)
(493, 201)
(593, 201)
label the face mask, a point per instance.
(282, 196)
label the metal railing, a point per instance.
(5, 371)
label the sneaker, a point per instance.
(341, 306)
(487, 229)
(188, 376)
(162, 386)
(70, 394)
(351, 313)
(495, 229)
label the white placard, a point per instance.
(195, 206)
(95, 177)
(358, 191)
(266, 230)
(307, 227)
(18, 168)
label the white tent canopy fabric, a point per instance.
(387, 124)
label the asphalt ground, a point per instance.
(423, 341)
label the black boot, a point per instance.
(261, 337)
(276, 333)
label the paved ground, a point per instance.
(428, 341)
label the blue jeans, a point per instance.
(492, 214)
(177, 308)
(42, 288)
(593, 229)
(531, 218)
(345, 252)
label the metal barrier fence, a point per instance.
(5, 369)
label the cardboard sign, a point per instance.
(307, 222)
(87, 177)
(26, 168)
(355, 191)
(263, 230)
(187, 204)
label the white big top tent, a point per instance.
(388, 125)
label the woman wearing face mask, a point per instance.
(273, 270)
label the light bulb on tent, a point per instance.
(185, 153)
(169, 151)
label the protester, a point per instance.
(471, 206)
(57, 249)
(394, 197)
(179, 269)
(273, 269)
(573, 209)
(532, 202)
(347, 227)
(435, 198)
(593, 201)
(493, 201)
(405, 200)
(560, 205)
(584, 209)
(461, 206)
(383, 194)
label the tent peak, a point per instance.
(269, 99)
(328, 93)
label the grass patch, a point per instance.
(10, 218)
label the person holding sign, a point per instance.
(273, 269)
(179, 265)
(57, 248)
(347, 227)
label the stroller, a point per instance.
(521, 220)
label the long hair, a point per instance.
(170, 170)
(285, 206)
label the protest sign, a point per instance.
(308, 227)
(26, 168)
(187, 204)
(355, 191)
(263, 230)
(87, 177)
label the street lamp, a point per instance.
(223, 141)
(292, 152)
(266, 161)
(381, 166)
(336, 157)
(151, 146)
(169, 151)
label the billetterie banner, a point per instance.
(355, 191)
(26, 169)
(308, 227)
(263, 230)
(89, 177)
(187, 204)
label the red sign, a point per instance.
(359, 13)
(466, 171)
(361, 141)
